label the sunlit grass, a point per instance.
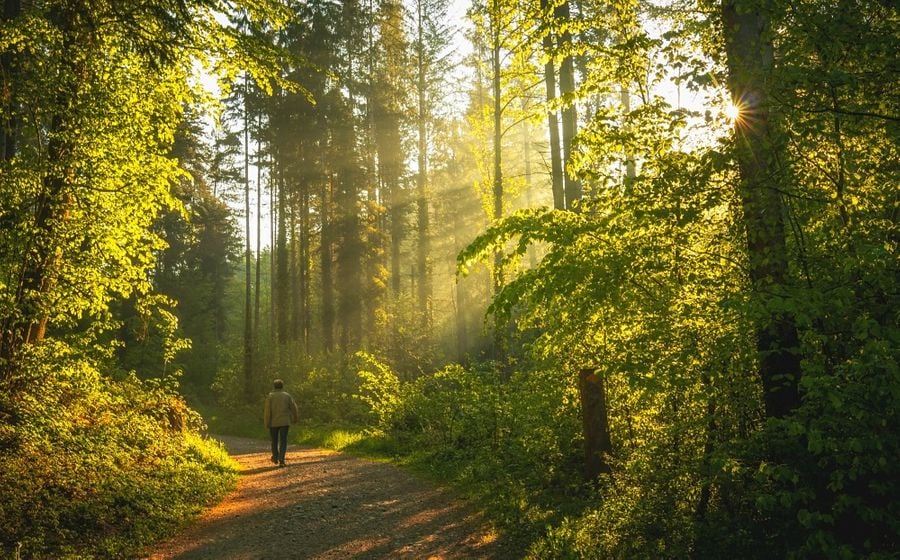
(328, 437)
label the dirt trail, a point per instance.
(326, 505)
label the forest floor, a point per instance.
(327, 505)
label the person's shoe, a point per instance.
(274, 459)
(281, 464)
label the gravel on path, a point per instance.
(326, 505)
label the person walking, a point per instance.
(280, 412)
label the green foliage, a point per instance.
(379, 389)
(102, 467)
(94, 461)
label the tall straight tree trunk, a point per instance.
(256, 295)
(498, 277)
(305, 273)
(389, 148)
(248, 264)
(424, 248)
(374, 257)
(350, 254)
(750, 60)
(498, 137)
(293, 304)
(282, 267)
(569, 113)
(556, 171)
(397, 227)
(274, 181)
(326, 264)
(386, 120)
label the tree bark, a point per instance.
(595, 423)
(498, 137)
(326, 264)
(248, 260)
(305, 273)
(498, 272)
(750, 60)
(569, 113)
(556, 172)
(424, 248)
(9, 130)
(256, 295)
(282, 268)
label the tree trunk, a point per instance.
(305, 272)
(556, 172)
(274, 182)
(595, 422)
(498, 137)
(326, 264)
(9, 130)
(282, 268)
(424, 292)
(569, 114)
(750, 59)
(498, 277)
(248, 264)
(256, 295)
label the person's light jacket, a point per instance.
(281, 410)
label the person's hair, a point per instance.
(279, 384)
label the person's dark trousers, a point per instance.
(279, 443)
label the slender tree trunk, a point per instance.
(256, 296)
(274, 182)
(569, 114)
(424, 248)
(350, 256)
(397, 227)
(498, 279)
(305, 273)
(498, 137)
(248, 264)
(282, 268)
(326, 264)
(294, 302)
(750, 59)
(556, 171)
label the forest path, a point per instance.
(326, 505)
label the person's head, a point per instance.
(279, 384)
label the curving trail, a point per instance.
(326, 505)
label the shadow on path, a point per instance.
(325, 505)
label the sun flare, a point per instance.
(732, 112)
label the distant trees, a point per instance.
(352, 258)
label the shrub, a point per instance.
(99, 467)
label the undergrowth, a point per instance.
(97, 466)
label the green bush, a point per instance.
(100, 467)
